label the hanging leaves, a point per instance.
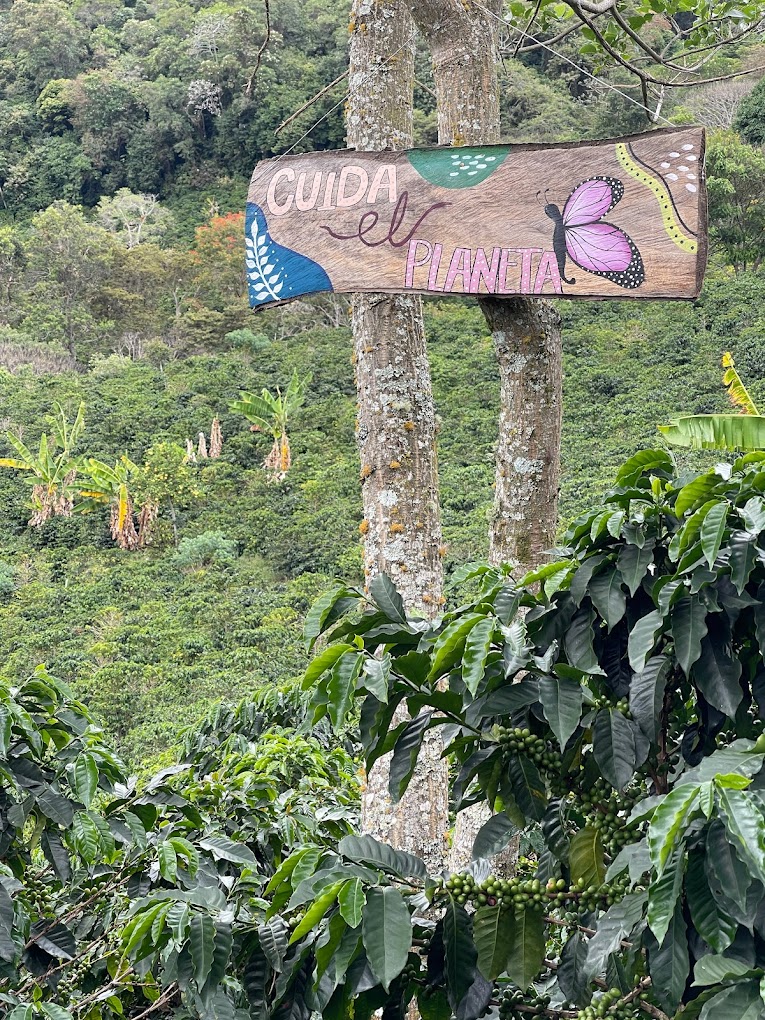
(494, 933)
(586, 857)
(387, 933)
(562, 703)
(528, 948)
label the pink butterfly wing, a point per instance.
(599, 248)
(591, 200)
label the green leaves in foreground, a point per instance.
(387, 933)
(494, 934)
(460, 952)
(604, 710)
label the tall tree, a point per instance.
(463, 42)
(463, 38)
(68, 258)
(396, 426)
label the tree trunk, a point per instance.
(463, 44)
(396, 426)
(527, 340)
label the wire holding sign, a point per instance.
(476, 220)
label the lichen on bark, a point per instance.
(396, 426)
(463, 42)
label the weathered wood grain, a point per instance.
(623, 218)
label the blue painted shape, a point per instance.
(276, 273)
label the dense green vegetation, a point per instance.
(161, 97)
(83, 849)
(615, 712)
(608, 707)
(177, 629)
(129, 132)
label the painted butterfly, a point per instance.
(594, 246)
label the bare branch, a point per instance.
(261, 51)
(525, 32)
(425, 88)
(716, 45)
(760, 69)
(716, 105)
(641, 43)
(164, 998)
(549, 42)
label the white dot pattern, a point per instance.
(681, 169)
(469, 163)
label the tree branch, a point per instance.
(525, 31)
(164, 998)
(644, 77)
(597, 8)
(549, 42)
(261, 51)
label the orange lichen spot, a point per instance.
(369, 350)
(409, 426)
(396, 529)
(441, 601)
(364, 527)
(427, 599)
(418, 524)
(442, 550)
(394, 465)
(366, 471)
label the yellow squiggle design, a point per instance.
(671, 225)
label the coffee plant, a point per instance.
(608, 708)
(120, 899)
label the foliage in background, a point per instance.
(142, 631)
(53, 469)
(269, 413)
(608, 706)
(64, 484)
(160, 100)
(735, 179)
(750, 116)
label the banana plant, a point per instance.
(269, 413)
(53, 468)
(744, 430)
(109, 486)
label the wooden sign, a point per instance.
(605, 219)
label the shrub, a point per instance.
(609, 709)
(8, 580)
(205, 550)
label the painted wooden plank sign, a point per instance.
(606, 219)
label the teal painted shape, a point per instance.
(274, 272)
(462, 167)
